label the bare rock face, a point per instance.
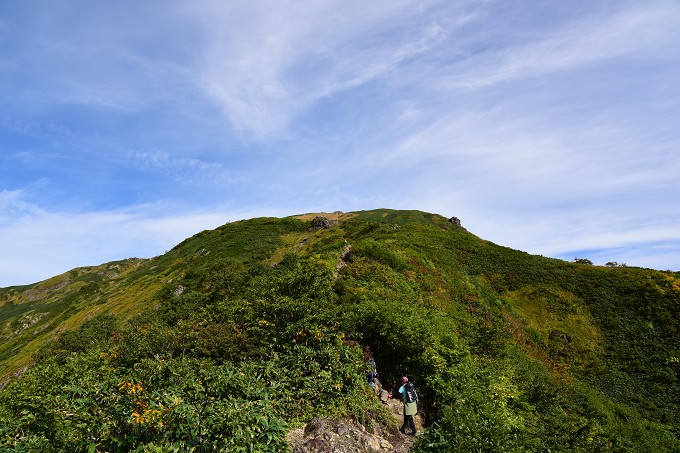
(455, 221)
(321, 223)
(338, 436)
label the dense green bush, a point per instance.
(88, 404)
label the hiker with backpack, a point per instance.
(410, 399)
(372, 373)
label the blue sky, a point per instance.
(549, 127)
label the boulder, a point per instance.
(320, 223)
(455, 221)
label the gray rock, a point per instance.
(338, 436)
(455, 221)
(322, 223)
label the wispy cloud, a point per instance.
(12, 206)
(99, 60)
(183, 169)
(590, 41)
(266, 65)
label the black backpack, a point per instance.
(410, 395)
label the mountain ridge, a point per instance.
(541, 351)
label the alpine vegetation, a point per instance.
(242, 334)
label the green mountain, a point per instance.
(239, 334)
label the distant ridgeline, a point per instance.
(240, 334)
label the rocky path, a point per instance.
(347, 436)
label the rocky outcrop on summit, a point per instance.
(321, 223)
(455, 221)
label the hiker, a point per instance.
(410, 399)
(373, 371)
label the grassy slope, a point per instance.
(606, 336)
(33, 315)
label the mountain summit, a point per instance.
(241, 335)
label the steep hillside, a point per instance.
(241, 333)
(33, 315)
